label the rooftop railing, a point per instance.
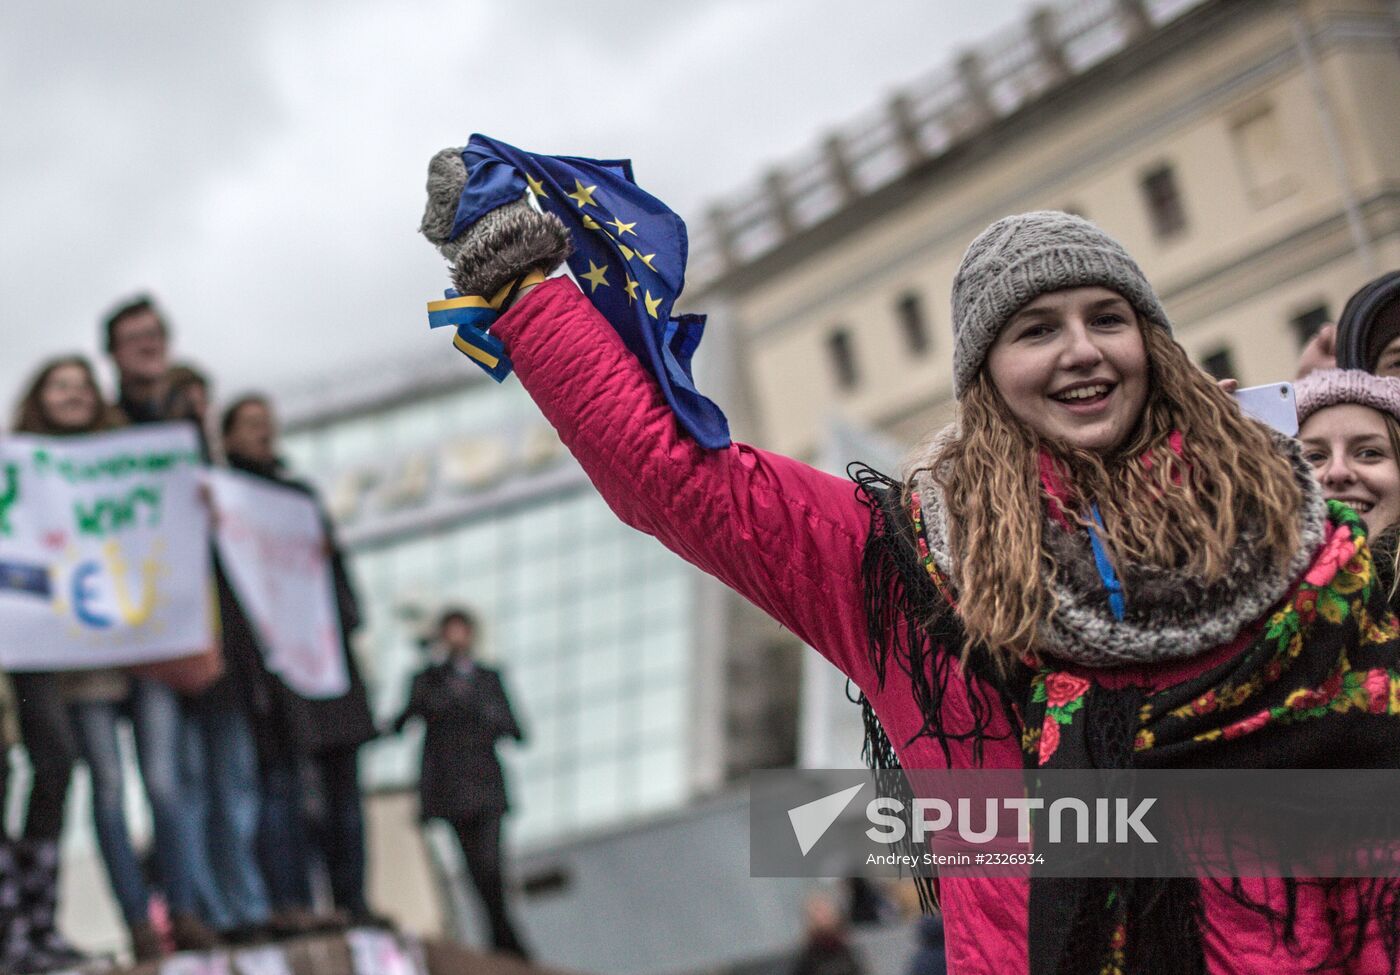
(921, 122)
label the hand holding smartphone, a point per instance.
(1273, 405)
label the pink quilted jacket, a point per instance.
(789, 538)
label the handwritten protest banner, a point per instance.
(273, 548)
(104, 549)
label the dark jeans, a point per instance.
(282, 839)
(480, 837)
(52, 748)
(157, 721)
(286, 843)
(220, 779)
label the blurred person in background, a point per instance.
(929, 957)
(826, 948)
(867, 900)
(220, 767)
(61, 400)
(1368, 331)
(137, 339)
(15, 926)
(465, 711)
(1349, 425)
(1366, 337)
(300, 735)
(187, 397)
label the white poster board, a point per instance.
(274, 551)
(104, 549)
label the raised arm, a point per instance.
(784, 535)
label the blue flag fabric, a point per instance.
(629, 258)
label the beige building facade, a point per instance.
(1246, 152)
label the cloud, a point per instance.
(259, 166)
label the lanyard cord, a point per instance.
(1105, 567)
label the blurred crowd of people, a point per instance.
(257, 821)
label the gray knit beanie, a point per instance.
(1030, 254)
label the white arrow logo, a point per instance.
(811, 820)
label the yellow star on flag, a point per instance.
(623, 228)
(589, 223)
(627, 252)
(631, 288)
(652, 305)
(595, 276)
(536, 185)
(646, 259)
(582, 195)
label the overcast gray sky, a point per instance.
(259, 165)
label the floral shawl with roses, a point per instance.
(1316, 684)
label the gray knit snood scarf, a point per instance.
(1169, 615)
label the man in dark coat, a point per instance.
(465, 711)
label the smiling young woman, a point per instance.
(1152, 426)
(1092, 547)
(1349, 425)
(61, 400)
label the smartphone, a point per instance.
(1272, 405)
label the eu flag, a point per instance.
(629, 258)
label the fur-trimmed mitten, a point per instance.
(503, 246)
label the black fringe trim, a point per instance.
(908, 621)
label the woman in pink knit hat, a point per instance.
(1349, 423)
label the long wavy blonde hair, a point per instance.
(1181, 512)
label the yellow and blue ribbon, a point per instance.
(473, 316)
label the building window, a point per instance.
(1262, 156)
(913, 323)
(1220, 364)
(1306, 324)
(1164, 204)
(843, 358)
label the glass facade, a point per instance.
(590, 622)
